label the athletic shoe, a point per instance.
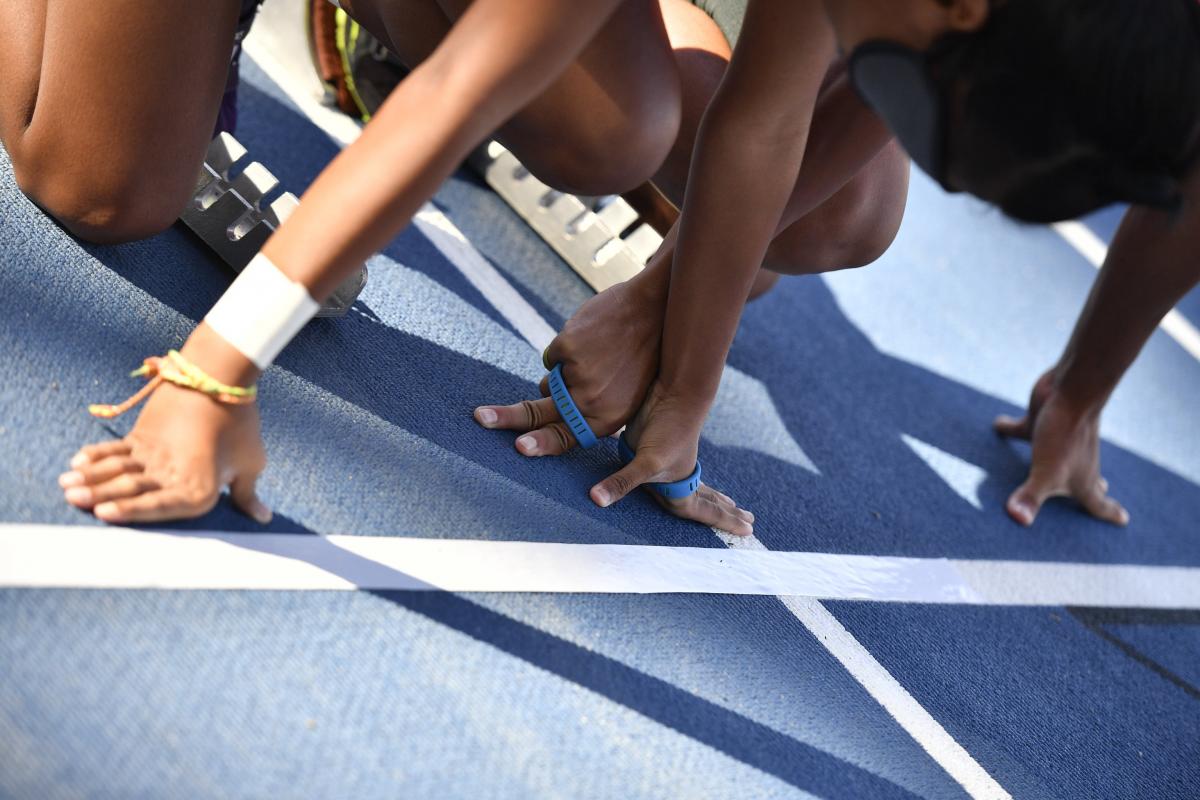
(358, 71)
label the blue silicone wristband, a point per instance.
(676, 490)
(568, 410)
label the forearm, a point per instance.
(499, 56)
(746, 163)
(721, 246)
(1154, 261)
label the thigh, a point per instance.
(625, 80)
(701, 50)
(22, 38)
(114, 87)
(622, 89)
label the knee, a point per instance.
(613, 152)
(609, 159)
(854, 229)
(841, 242)
(101, 208)
(863, 234)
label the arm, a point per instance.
(749, 151)
(498, 56)
(185, 446)
(1152, 263)
(610, 347)
(748, 157)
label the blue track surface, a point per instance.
(859, 403)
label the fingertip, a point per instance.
(109, 512)
(260, 513)
(1116, 513)
(486, 416)
(79, 459)
(1021, 511)
(69, 479)
(78, 495)
(1005, 425)
(600, 496)
(527, 445)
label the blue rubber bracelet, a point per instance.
(568, 410)
(676, 490)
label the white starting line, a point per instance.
(89, 557)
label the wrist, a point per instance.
(224, 362)
(653, 283)
(687, 398)
(1083, 390)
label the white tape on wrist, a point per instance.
(262, 311)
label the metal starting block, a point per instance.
(235, 217)
(593, 235)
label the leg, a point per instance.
(107, 108)
(858, 220)
(604, 126)
(852, 228)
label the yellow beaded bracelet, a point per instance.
(174, 368)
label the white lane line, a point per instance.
(89, 557)
(888, 692)
(525, 321)
(916, 721)
(486, 279)
(1092, 248)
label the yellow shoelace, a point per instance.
(174, 368)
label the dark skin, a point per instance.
(498, 62)
(185, 447)
(629, 384)
(774, 104)
(1123, 309)
(165, 470)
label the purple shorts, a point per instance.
(227, 116)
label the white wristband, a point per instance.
(261, 312)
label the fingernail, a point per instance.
(527, 445)
(68, 479)
(602, 497)
(486, 416)
(107, 511)
(262, 514)
(79, 495)
(1124, 517)
(79, 460)
(1023, 512)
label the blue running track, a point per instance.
(856, 419)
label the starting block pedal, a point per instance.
(599, 238)
(236, 215)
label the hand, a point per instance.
(609, 352)
(665, 436)
(183, 449)
(1066, 456)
